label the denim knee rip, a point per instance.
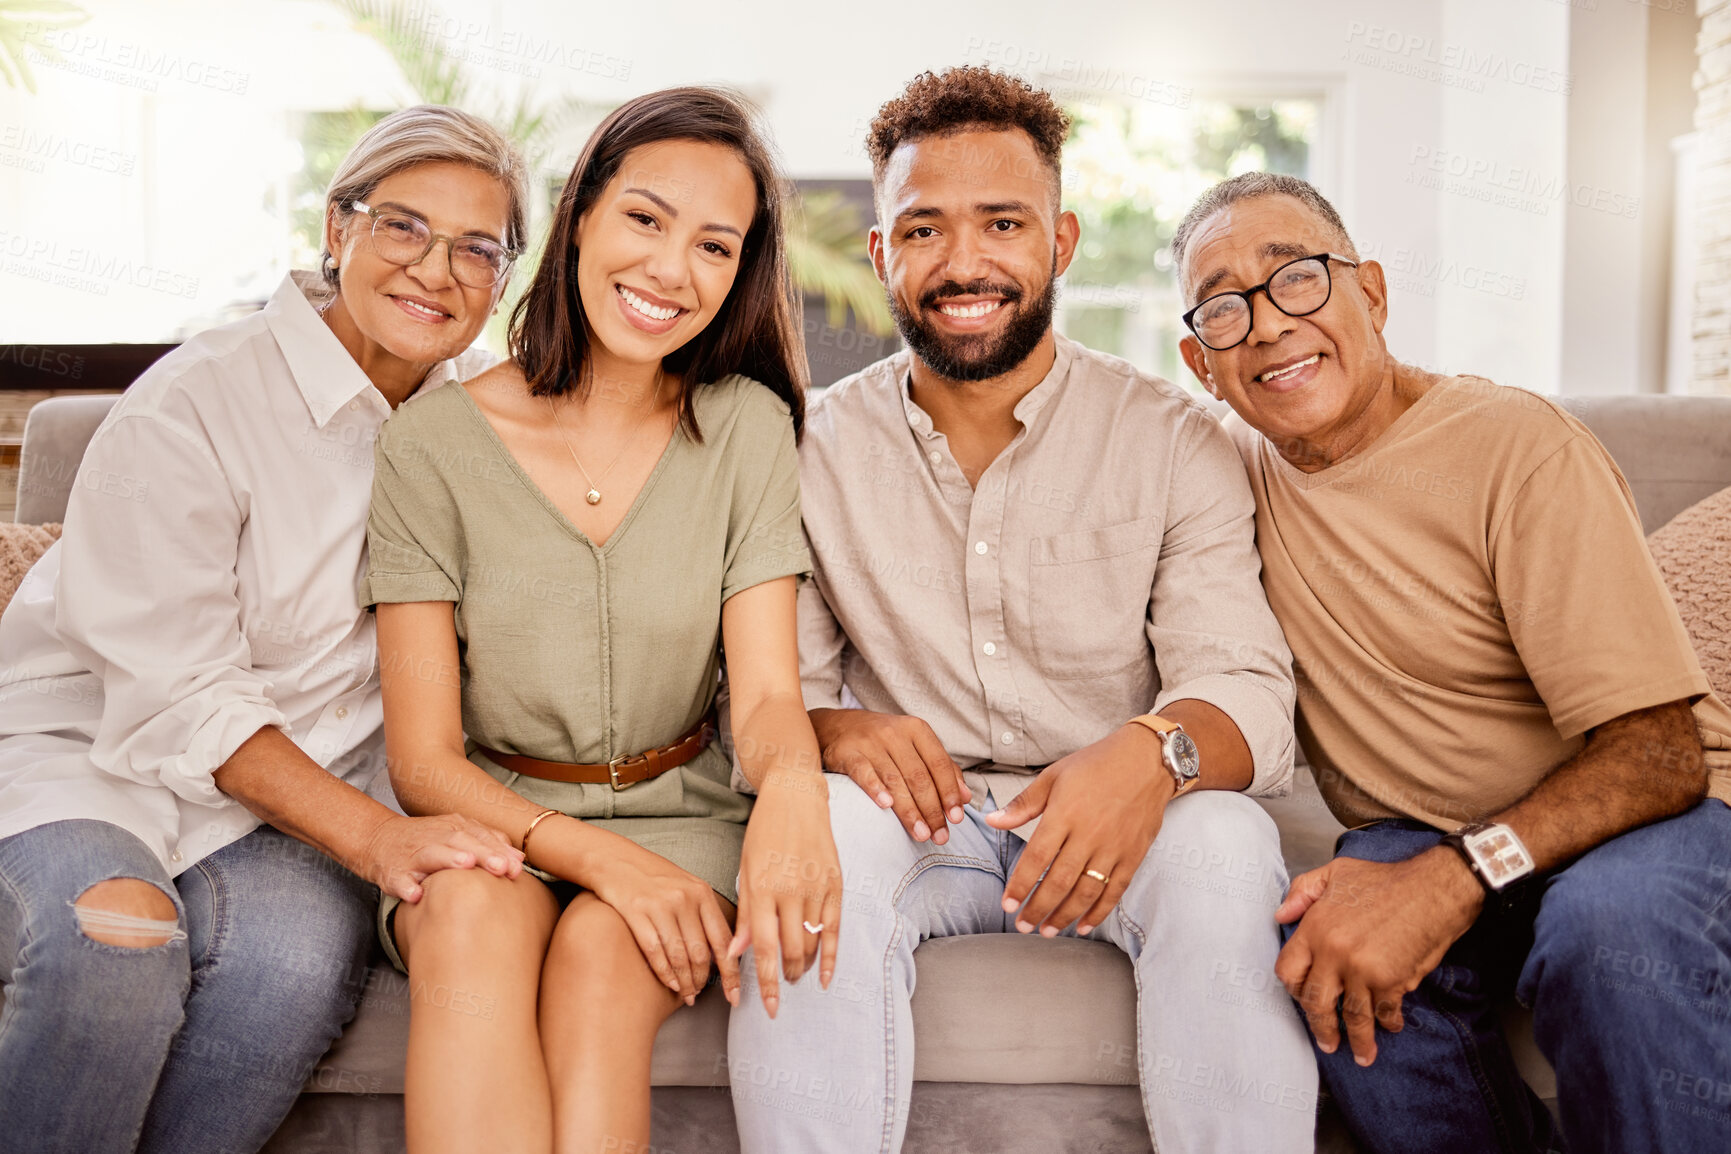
(127, 926)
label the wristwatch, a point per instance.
(1177, 750)
(1494, 853)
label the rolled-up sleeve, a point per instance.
(820, 644)
(148, 600)
(1214, 637)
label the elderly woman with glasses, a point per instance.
(190, 712)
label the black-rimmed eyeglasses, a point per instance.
(403, 240)
(1297, 288)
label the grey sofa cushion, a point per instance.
(1674, 451)
(1064, 1010)
(944, 1118)
(1087, 1036)
(55, 435)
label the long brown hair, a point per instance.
(754, 332)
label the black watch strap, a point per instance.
(1497, 856)
(1458, 842)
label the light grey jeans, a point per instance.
(1223, 1059)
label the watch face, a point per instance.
(1500, 856)
(1182, 756)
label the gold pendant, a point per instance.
(593, 496)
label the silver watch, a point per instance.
(1179, 753)
(1494, 852)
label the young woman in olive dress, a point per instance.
(560, 552)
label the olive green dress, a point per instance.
(577, 653)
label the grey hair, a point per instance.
(428, 134)
(1251, 186)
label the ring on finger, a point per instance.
(1098, 876)
(813, 927)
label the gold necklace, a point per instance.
(593, 496)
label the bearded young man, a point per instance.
(1035, 595)
(1495, 693)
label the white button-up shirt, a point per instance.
(205, 587)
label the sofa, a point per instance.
(1037, 1072)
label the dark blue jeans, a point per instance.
(197, 1045)
(1624, 957)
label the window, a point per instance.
(1130, 174)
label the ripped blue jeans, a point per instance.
(199, 1043)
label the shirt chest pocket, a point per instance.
(1088, 598)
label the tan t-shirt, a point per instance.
(1464, 600)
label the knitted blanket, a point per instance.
(20, 547)
(1694, 554)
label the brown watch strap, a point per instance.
(621, 771)
(1162, 727)
(1158, 724)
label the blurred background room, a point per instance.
(1547, 182)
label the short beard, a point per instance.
(982, 356)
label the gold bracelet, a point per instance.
(539, 818)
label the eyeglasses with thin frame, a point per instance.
(1297, 288)
(404, 239)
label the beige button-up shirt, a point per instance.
(1105, 566)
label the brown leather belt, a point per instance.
(621, 771)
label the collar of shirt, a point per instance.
(1026, 409)
(325, 373)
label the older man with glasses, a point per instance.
(1497, 696)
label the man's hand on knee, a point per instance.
(899, 762)
(1100, 809)
(1368, 933)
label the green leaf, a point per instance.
(826, 256)
(25, 23)
(418, 55)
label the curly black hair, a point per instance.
(964, 98)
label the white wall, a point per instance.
(1501, 212)
(1671, 39)
(1437, 110)
(1602, 265)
